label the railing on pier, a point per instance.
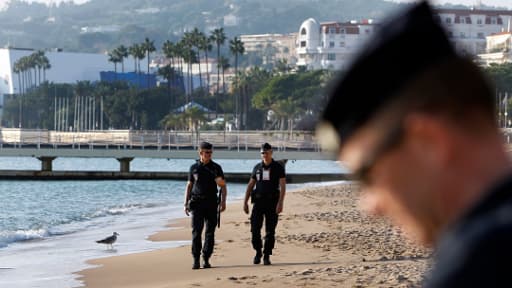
(159, 140)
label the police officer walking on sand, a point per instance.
(266, 188)
(201, 200)
(425, 145)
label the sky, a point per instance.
(500, 3)
(4, 2)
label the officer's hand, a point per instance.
(223, 206)
(279, 207)
(246, 208)
(187, 211)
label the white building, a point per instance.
(499, 49)
(272, 47)
(468, 28)
(331, 45)
(66, 67)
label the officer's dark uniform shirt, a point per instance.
(267, 180)
(203, 177)
(475, 252)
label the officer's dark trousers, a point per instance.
(205, 214)
(265, 211)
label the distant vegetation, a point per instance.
(295, 100)
(100, 25)
(262, 97)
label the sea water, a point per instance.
(48, 229)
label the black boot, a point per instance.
(206, 263)
(266, 260)
(257, 258)
(196, 264)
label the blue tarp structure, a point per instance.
(134, 79)
(191, 104)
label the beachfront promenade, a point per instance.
(125, 145)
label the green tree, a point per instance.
(138, 53)
(224, 65)
(218, 37)
(193, 116)
(236, 47)
(122, 53)
(168, 73)
(113, 57)
(206, 45)
(149, 47)
(173, 121)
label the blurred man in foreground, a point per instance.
(415, 123)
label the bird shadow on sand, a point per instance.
(277, 264)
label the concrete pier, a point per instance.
(46, 163)
(182, 176)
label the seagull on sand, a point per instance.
(109, 240)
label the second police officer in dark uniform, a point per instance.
(201, 200)
(266, 188)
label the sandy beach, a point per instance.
(323, 240)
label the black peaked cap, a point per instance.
(265, 146)
(206, 145)
(404, 46)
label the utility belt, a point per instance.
(259, 195)
(196, 199)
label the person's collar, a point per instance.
(263, 162)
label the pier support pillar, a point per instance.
(46, 163)
(125, 163)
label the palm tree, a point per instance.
(205, 45)
(187, 56)
(168, 73)
(196, 43)
(113, 57)
(218, 37)
(133, 50)
(17, 70)
(38, 62)
(46, 66)
(169, 50)
(224, 65)
(138, 53)
(179, 52)
(149, 46)
(122, 52)
(236, 47)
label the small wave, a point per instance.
(119, 210)
(7, 237)
(68, 225)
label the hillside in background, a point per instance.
(100, 25)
